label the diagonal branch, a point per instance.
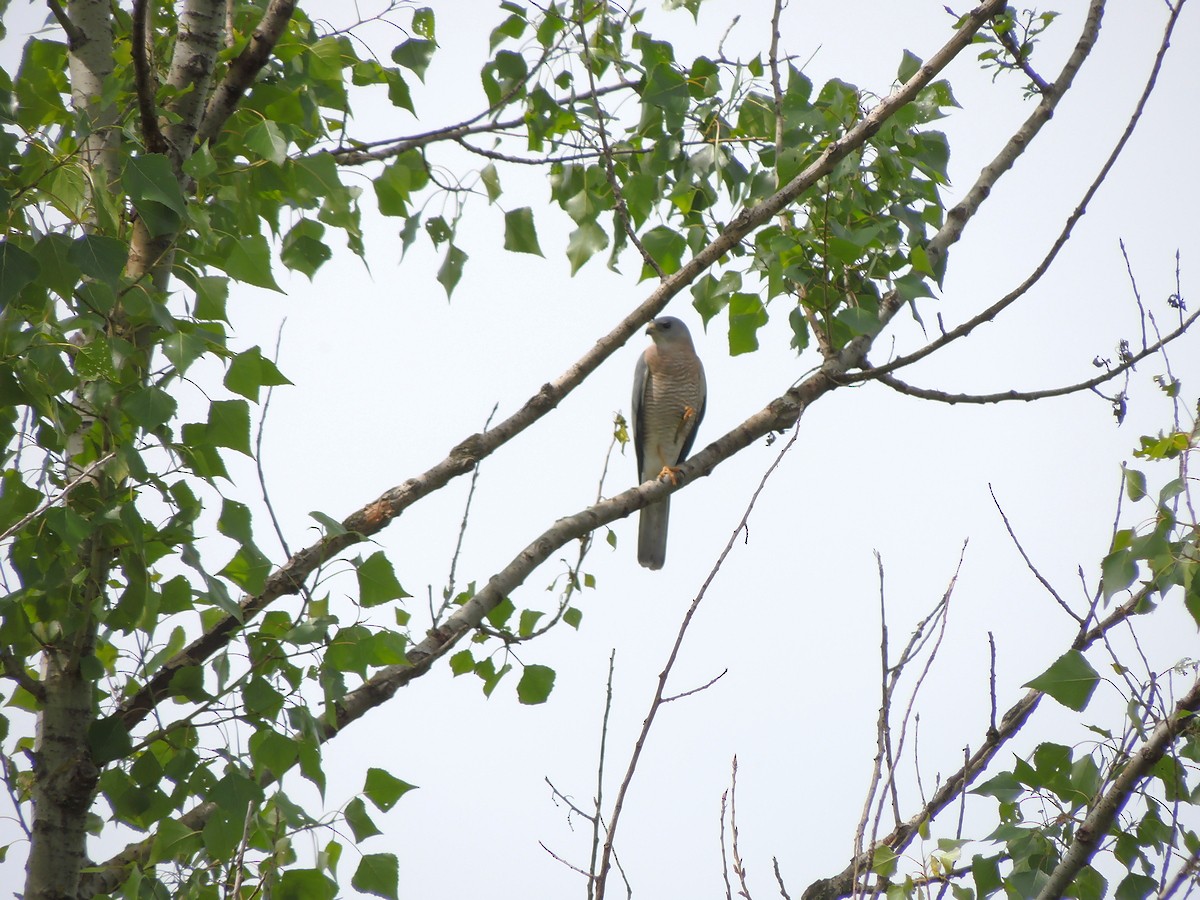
(1094, 829)
(961, 213)
(784, 411)
(843, 883)
(243, 70)
(145, 81)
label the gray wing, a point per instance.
(640, 374)
(691, 437)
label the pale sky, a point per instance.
(389, 376)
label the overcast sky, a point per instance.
(389, 376)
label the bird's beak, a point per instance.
(650, 328)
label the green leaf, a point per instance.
(414, 54)
(1135, 484)
(331, 525)
(304, 884)
(17, 269)
(272, 751)
(1135, 886)
(585, 242)
(249, 260)
(883, 861)
(491, 182)
(303, 248)
(378, 874)
(746, 315)
(909, 65)
(155, 193)
(535, 685)
(1089, 885)
(377, 582)
(384, 789)
(519, 233)
(229, 425)
(573, 616)
(267, 141)
(986, 872)
(150, 407)
(249, 371)
(396, 184)
(451, 269)
(108, 739)
(99, 257)
(666, 246)
(360, 821)
(1071, 680)
(423, 22)
(16, 498)
(1118, 571)
(462, 662)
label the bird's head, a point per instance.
(669, 330)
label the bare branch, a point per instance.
(1032, 568)
(70, 29)
(957, 218)
(1126, 364)
(375, 151)
(1094, 829)
(597, 820)
(657, 702)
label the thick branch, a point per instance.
(145, 81)
(957, 217)
(201, 23)
(373, 517)
(244, 69)
(1090, 834)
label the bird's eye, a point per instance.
(665, 325)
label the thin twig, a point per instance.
(85, 473)
(660, 691)
(609, 171)
(1029, 563)
(448, 594)
(1024, 396)
(597, 823)
(739, 869)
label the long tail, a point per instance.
(652, 534)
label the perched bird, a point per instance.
(669, 394)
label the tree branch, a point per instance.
(362, 153)
(144, 78)
(958, 216)
(1095, 827)
(1021, 139)
(1027, 396)
(243, 70)
(779, 415)
(843, 883)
